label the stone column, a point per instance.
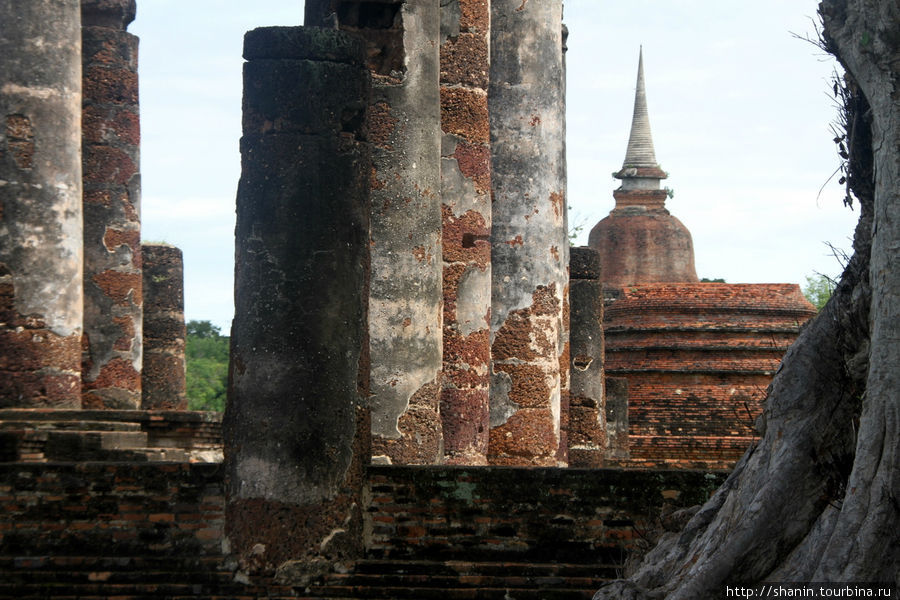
(40, 204)
(111, 362)
(587, 411)
(405, 317)
(466, 208)
(163, 376)
(615, 400)
(296, 429)
(528, 235)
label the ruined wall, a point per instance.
(40, 204)
(405, 297)
(296, 429)
(153, 529)
(698, 359)
(115, 529)
(163, 375)
(111, 362)
(466, 209)
(112, 509)
(587, 431)
(523, 515)
(528, 237)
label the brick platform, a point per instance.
(154, 530)
(698, 359)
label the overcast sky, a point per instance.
(739, 108)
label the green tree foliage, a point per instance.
(206, 353)
(818, 289)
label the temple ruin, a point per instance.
(430, 392)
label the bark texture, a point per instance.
(818, 498)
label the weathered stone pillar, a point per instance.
(587, 412)
(296, 429)
(40, 204)
(111, 363)
(402, 38)
(528, 235)
(565, 379)
(466, 208)
(615, 399)
(163, 376)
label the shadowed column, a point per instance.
(587, 411)
(296, 429)
(40, 204)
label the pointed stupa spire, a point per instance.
(640, 143)
(640, 156)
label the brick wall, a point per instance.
(536, 515)
(698, 359)
(128, 530)
(111, 509)
(102, 529)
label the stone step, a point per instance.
(180, 583)
(79, 425)
(90, 445)
(449, 593)
(454, 568)
(203, 577)
(110, 563)
(460, 545)
(512, 580)
(451, 580)
(48, 445)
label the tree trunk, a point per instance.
(818, 497)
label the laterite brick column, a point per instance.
(163, 376)
(466, 208)
(40, 204)
(528, 236)
(587, 415)
(296, 430)
(111, 362)
(405, 311)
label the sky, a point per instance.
(740, 110)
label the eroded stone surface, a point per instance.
(40, 204)
(405, 330)
(113, 296)
(163, 375)
(466, 209)
(296, 427)
(529, 249)
(587, 431)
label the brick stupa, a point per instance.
(640, 241)
(696, 357)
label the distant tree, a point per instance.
(203, 329)
(206, 353)
(708, 280)
(818, 289)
